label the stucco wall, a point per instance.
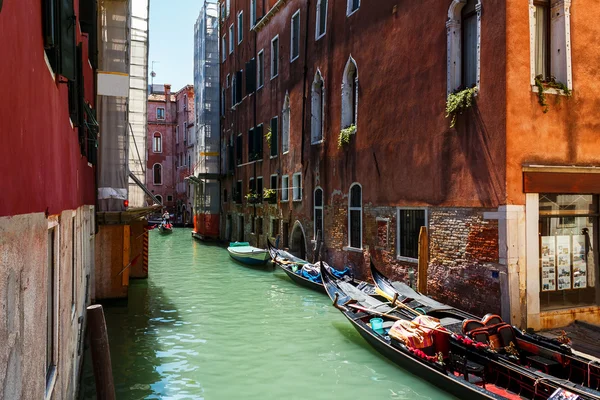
(23, 294)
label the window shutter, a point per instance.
(250, 144)
(238, 87)
(76, 94)
(88, 19)
(251, 76)
(68, 51)
(274, 136)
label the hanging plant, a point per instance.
(269, 195)
(252, 198)
(549, 83)
(269, 136)
(458, 102)
(345, 135)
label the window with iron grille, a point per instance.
(410, 221)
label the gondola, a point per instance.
(289, 264)
(530, 350)
(454, 363)
(246, 254)
(165, 229)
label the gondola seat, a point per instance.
(465, 367)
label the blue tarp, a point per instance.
(310, 274)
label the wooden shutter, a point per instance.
(258, 141)
(68, 50)
(238, 88)
(251, 76)
(88, 20)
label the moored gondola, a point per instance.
(511, 344)
(450, 361)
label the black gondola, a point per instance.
(528, 350)
(452, 370)
(285, 260)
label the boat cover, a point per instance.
(312, 272)
(406, 291)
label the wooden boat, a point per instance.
(289, 264)
(246, 254)
(529, 350)
(165, 229)
(458, 366)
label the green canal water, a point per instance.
(205, 327)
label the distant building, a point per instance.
(205, 172)
(339, 107)
(170, 141)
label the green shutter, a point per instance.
(68, 50)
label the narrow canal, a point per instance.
(205, 327)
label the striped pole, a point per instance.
(145, 253)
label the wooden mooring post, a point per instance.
(105, 386)
(423, 260)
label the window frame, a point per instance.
(223, 46)
(548, 38)
(285, 189)
(321, 137)
(398, 233)
(322, 209)
(252, 13)
(158, 117)
(231, 38)
(350, 208)
(286, 116)
(350, 97)
(292, 37)
(155, 148)
(274, 59)
(260, 69)
(318, 19)
(154, 176)
(297, 189)
(240, 27)
(349, 10)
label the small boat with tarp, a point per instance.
(528, 350)
(301, 271)
(426, 346)
(246, 254)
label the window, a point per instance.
(177, 134)
(157, 143)
(251, 76)
(285, 129)
(237, 196)
(239, 150)
(261, 69)
(252, 13)
(159, 198)
(169, 198)
(223, 101)
(295, 37)
(240, 27)
(255, 150)
(274, 137)
(352, 6)
(350, 94)
(464, 34)
(157, 172)
(317, 109)
(297, 187)
(550, 45)
(231, 38)
(224, 195)
(227, 7)
(51, 306)
(160, 113)
(285, 180)
(568, 259)
(274, 182)
(224, 48)
(259, 187)
(410, 221)
(318, 214)
(228, 80)
(275, 57)
(355, 217)
(321, 25)
(59, 38)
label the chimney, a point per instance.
(167, 89)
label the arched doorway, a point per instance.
(298, 241)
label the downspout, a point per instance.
(305, 72)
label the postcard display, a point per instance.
(556, 263)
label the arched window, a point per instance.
(355, 216)
(318, 214)
(157, 173)
(464, 39)
(350, 94)
(159, 198)
(157, 143)
(317, 108)
(285, 125)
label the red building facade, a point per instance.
(339, 106)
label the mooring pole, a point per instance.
(423, 259)
(105, 386)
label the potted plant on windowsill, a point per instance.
(459, 101)
(252, 198)
(543, 84)
(345, 135)
(268, 136)
(269, 195)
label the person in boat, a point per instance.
(166, 217)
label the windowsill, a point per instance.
(90, 165)
(347, 15)
(317, 143)
(272, 157)
(50, 384)
(260, 87)
(284, 201)
(352, 249)
(319, 37)
(72, 312)
(555, 91)
(274, 76)
(285, 152)
(297, 200)
(294, 59)
(407, 259)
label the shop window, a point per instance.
(568, 262)
(355, 217)
(410, 221)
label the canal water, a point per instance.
(205, 327)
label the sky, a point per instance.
(172, 41)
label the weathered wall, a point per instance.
(136, 270)
(23, 299)
(109, 263)
(42, 165)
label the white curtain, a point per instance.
(541, 37)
